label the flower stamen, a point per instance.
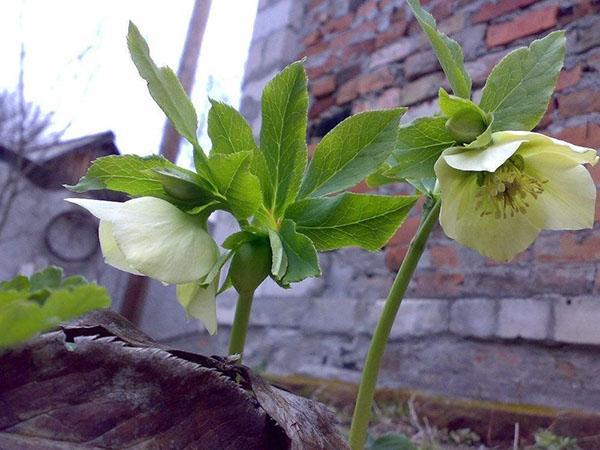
(506, 191)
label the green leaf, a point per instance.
(279, 262)
(378, 178)
(450, 105)
(351, 151)
(283, 137)
(361, 220)
(164, 87)
(185, 185)
(235, 182)
(131, 174)
(420, 144)
(215, 270)
(30, 306)
(392, 441)
(519, 88)
(49, 278)
(303, 261)
(228, 130)
(447, 50)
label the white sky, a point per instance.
(103, 91)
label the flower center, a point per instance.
(506, 191)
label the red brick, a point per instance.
(521, 26)
(391, 34)
(310, 149)
(346, 38)
(572, 247)
(568, 78)
(315, 4)
(360, 48)
(375, 81)
(496, 9)
(398, 245)
(347, 92)
(579, 102)
(361, 188)
(322, 69)
(597, 207)
(361, 105)
(323, 86)
(338, 24)
(321, 106)
(312, 38)
(367, 8)
(389, 99)
(442, 9)
(444, 256)
(428, 284)
(398, 15)
(320, 47)
(586, 135)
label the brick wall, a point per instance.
(525, 331)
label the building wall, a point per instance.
(525, 331)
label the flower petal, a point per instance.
(540, 143)
(163, 242)
(110, 249)
(500, 239)
(486, 159)
(102, 209)
(569, 197)
(200, 302)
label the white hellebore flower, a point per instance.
(497, 199)
(149, 236)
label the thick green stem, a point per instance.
(240, 324)
(366, 390)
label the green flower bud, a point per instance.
(466, 125)
(180, 188)
(250, 265)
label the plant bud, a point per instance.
(250, 265)
(465, 126)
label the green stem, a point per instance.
(366, 390)
(240, 324)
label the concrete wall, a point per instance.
(525, 331)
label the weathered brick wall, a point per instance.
(525, 331)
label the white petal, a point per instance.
(200, 302)
(102, 209)
(163, 242)
(111, 251)
(487, 159)
(500, 239)
(569, 198)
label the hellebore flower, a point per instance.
(149, 236)
(497, 199)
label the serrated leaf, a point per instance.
(30, 306)
(519, 88)
(302, 258)
(235, 182)
(378, 178)
(348, 219)
(447, 50)
(420, 144)
(131, 174)
(283, 137)
(164, 87)
(228, 130)
(351, 151)
(279, 262)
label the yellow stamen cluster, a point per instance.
(506, 191)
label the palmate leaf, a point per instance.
(348, 219)
(164, 87)
(447, 50)
(351, 151)
(519, 88)
(420, 144)
(30, 306)
(283, 137)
